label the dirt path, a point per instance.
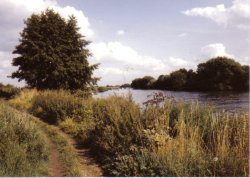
(55, 164)
(90, 168)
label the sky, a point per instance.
(135, 38)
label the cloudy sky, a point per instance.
(134, 38)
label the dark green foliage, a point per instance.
(8, 91)
(178, 79)
(245, 77)
(126, 85)
(102, 89)
(53, 54)
(143, 83)
(217, 74)
(220, 74)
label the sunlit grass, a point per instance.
(171, 139)
(22, 148)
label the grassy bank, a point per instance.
(22, 148)
(173, 139)
(25, 102)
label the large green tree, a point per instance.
(52, 54)
(220, 74)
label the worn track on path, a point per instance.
(56, 167)
(89, 166)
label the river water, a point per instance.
(229, 101)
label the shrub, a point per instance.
(55, 106)
(8, 91)
(102, 89)
(69, 126)
(140, 142)
(22, 148)
(23, 101)
(118, 127)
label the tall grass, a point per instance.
(173, 139)
(30, 101)
(22, 148)
(177, 139)
(24, 100)
(8, 91)
(56, 106)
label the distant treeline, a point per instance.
(217, 74)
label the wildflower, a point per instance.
(215, 159)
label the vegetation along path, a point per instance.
(89, 166)
(56, 167)
(66, 156)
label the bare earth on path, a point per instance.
(88, 163)
(56, 168)
(90, 168)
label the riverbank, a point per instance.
(170, 139)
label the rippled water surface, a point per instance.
(227, 100)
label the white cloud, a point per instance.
(243, 27)
(22, 9)
(120, 32)
(29, 5)
(110, 71)
(121, 63)
(5, 61)
(177, 62)
(82, 20)
(218, 49)
(237, 14)
(214, 50)
(182, 35)
(117, 52)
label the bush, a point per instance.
(69, 126)
(22, 148)
(55, 106)
(141, 142)
(102, 89)
(23, 101)
(8, 91)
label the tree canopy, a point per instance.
(143, 83)
(217, 74)
(52, 54)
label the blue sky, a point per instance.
(134, 38)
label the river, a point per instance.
(229, 101)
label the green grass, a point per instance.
(22, 148)
(25, 102)
(173, 139)
(177, 139)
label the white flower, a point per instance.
(215, 159)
